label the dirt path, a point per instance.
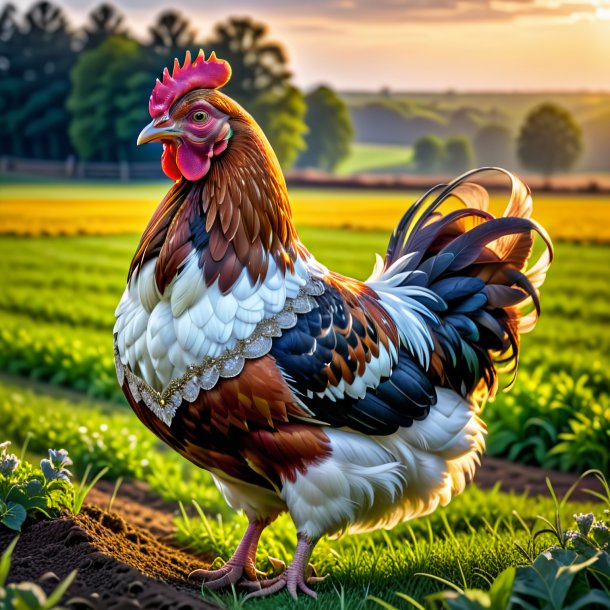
(119, 566)
(520, 478)
(139, 505)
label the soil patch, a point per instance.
(520, 478)
(138, 505)
(119, 566)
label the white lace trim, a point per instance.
(205, 375)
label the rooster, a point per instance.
(351, 405)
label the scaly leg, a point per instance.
(293, 578)
(241, 565)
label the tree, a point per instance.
(36, 83)
(550, 140)
(172, 33)
(494, 146)
(428, 153)
(459, 154)
(330, 130)
(259, 66)
(104, 21)
(283, 119)
(108, 101)
(261, 83)
(596, 133)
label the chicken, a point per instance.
(351, 405)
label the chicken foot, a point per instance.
(241, 566)
(294, 578)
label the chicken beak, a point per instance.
(152, 133)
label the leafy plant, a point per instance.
(26, 491)
(27, 595)
(572, 574)
(557, 421)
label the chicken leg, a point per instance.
(294, 578)
(242, 564)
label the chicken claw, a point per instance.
(294, 578)
(241, 568)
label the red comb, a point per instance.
(200, 74)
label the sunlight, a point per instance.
(603, 13)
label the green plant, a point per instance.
(26, 491)
(84, 486)
(27, 595)
(569, 575)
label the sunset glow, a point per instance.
(455, 44)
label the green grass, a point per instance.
(472, 537)
(56, 317)
(57, 313)
(373, 158)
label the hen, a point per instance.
(351, 405)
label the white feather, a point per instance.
(160, 335)
(371, 482)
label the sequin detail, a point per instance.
(205, 375)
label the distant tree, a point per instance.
(9, 32)
(330, 133)
(37, 59)
(459, 154)
(259, 66)
(171, 34)
(465, 120)
(550, 140)
(108, 101)
(596, 133)
(494, 145)
(428, 153)
(261, 83)
(104, 21)
(283, 119)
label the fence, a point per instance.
(72, 169)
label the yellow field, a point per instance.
(110, 209)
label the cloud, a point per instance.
(377, 11)
(393, 11)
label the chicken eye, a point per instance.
(200, 116)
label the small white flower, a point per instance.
(55, 467)
(8, 463)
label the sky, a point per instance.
(436, 45)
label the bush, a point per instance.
(459, 155)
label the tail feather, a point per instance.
(474, 272)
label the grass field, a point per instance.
(470, 541)
(58, 295)
(371, 158)
(57, 313)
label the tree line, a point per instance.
(549, 141)
(84, 91)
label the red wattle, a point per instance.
(193, 161)
(168, 162)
